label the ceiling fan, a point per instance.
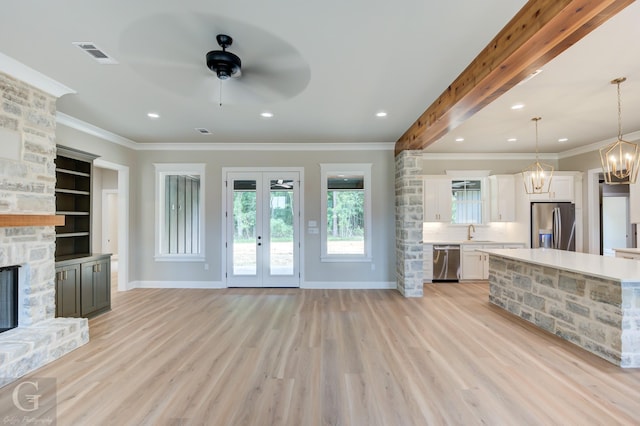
(224, 64)
(271, 69)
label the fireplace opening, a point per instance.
(8, 298)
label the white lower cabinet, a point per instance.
(475, 264)
(628, 254)
(427, 263)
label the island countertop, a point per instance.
(623, 270)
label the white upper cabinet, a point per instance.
(437, 199)
(503, 200)
(562, 188)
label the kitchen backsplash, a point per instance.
(502, 232)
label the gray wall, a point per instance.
(145, 268)
(142, 266)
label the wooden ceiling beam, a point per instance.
(539, 32)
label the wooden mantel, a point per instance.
(15, 220)
(539, 32)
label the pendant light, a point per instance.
(620, 159)
(537, 177)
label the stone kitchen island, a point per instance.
(592, 301)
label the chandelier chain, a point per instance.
(619, 111)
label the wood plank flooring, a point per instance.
(334, 357)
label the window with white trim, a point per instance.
(179, 212)
(346, 212)
(467, 201)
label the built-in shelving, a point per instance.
(73, 200)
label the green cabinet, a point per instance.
(83, 286)
(95, 287)
(68, 291)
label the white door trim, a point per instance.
(123, 220)
(593, 206)
(105, 223)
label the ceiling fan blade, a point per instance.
(273, 69)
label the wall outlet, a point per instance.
(373, 266)
(206, 266)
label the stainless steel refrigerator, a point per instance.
(553, 225)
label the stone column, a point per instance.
(409, 218)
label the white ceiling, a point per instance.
(322, 68)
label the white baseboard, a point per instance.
(176, 284)
(317, 285)
(349, 285)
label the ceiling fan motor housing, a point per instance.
(224, 64)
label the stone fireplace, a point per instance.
(27, 186)
(8, 298)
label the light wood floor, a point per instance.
(311, 357)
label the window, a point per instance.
(466, 204)
(346, 212)
(179, 212)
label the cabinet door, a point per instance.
(96, 286)
(472, 265)
(87, 294)
(102, 284)
(68, 291)
(437, 199)
(503, 201)
(427, 263)
(562, 188)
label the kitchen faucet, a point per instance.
(469, 228)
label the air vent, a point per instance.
(96, 53)
(203, 130)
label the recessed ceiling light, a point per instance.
(459, 139)
(266, 114)
(517, 106)
(381, 114)
(512, 140)
(563, 140)
(153, 115)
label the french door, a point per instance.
(262, 229)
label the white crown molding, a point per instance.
(30, 76)
(486, 156)
(90, 129)
(632, 137)
(177, 146)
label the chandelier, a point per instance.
(620, 159)
(537, 177)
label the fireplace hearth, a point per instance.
(8, 298)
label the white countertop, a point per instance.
(628, 250)
(460, 242)
(623, 270)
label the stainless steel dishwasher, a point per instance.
(446, 262)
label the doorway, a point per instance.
(262, 228)
(616, 230)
